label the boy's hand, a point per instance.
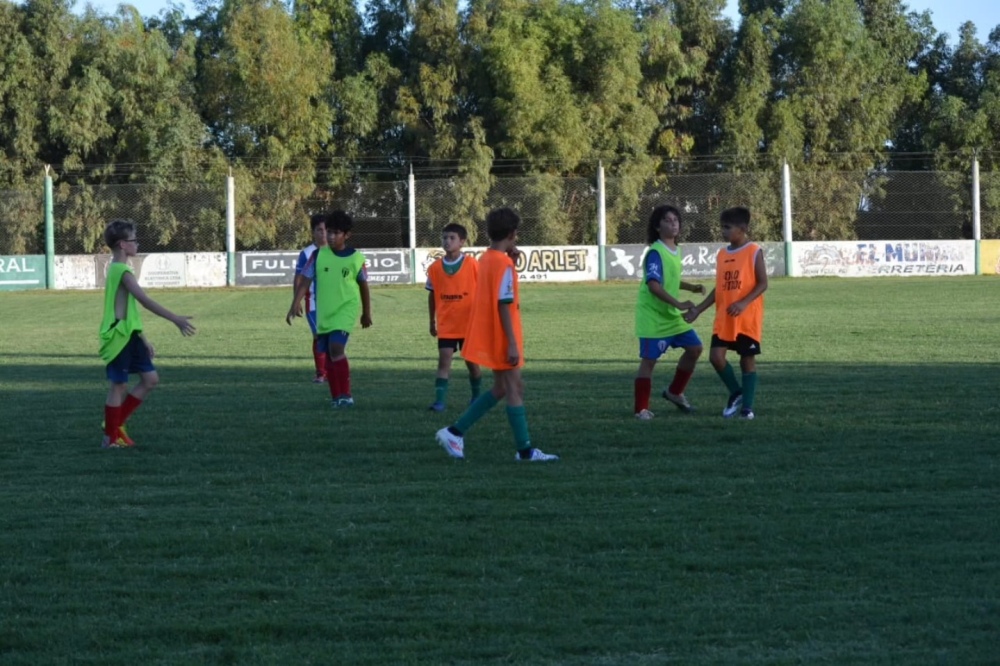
(512, 356)
(698, 288)
(366, 320)
(514, 253)
(184, 324)
(686, 305)
(294, 311)
(434, 330)
(736, 309)
(691, 315)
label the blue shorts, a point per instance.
(654, 348)
(311, 318)
(131, 360)
(324, 340)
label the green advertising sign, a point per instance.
(22, 272)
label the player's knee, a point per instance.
(150, 380)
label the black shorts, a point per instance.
(133, 359)
(451, 343)
(744, 345)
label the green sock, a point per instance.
(440, 390)
(477, 385)
(519, 424)
(728, 377)
(475, 411)
(749, 387)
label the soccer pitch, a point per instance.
(854, 522)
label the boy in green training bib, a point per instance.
(124, 348)
(341, 283)
(659, 313)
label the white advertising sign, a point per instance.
(878, 258)
(555, 263)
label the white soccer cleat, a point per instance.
(747, 414)
(453, 444)
(732, 407)
(680, 401)
(537, 455)
(645, 415)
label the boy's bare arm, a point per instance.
(760, 286)
(182, 322)
(366, 305)
(693, 313)
(300, 292)
(507, 324)
(431, 311)
(693, 287)
(657, 290)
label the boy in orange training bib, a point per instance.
(494, 340)
(740, 282)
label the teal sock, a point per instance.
(475, 411)
(519, 424)
(728, 377)
(749, 387)
(440, 390)
(477, 385)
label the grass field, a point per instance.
(856, 521)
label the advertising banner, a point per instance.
(390, 266)
(624, 262)
(989, 257)
(153, 271)
(265, 268)
(22, 272)
(536, 263)
(878, 258)
(385, 266)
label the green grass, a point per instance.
(854, 522)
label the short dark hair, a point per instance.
(737, 215)
(317, 219)
(339, 220)
(455, 228)
(658, 215)
(501, 223)
(117, 231)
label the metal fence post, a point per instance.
(977, 229)
(786, 216)
(602, 223)
(411, 187)
(50, 234)
(230, 229)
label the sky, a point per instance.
(948, 15)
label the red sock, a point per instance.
(643, 387)
(112, 421)
(343, 371)
(681, 379)
(319, 358)
(130, 405)
(332, 380)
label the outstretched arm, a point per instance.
(693, 314)
(182, 322)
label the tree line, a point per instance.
(311, 97)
